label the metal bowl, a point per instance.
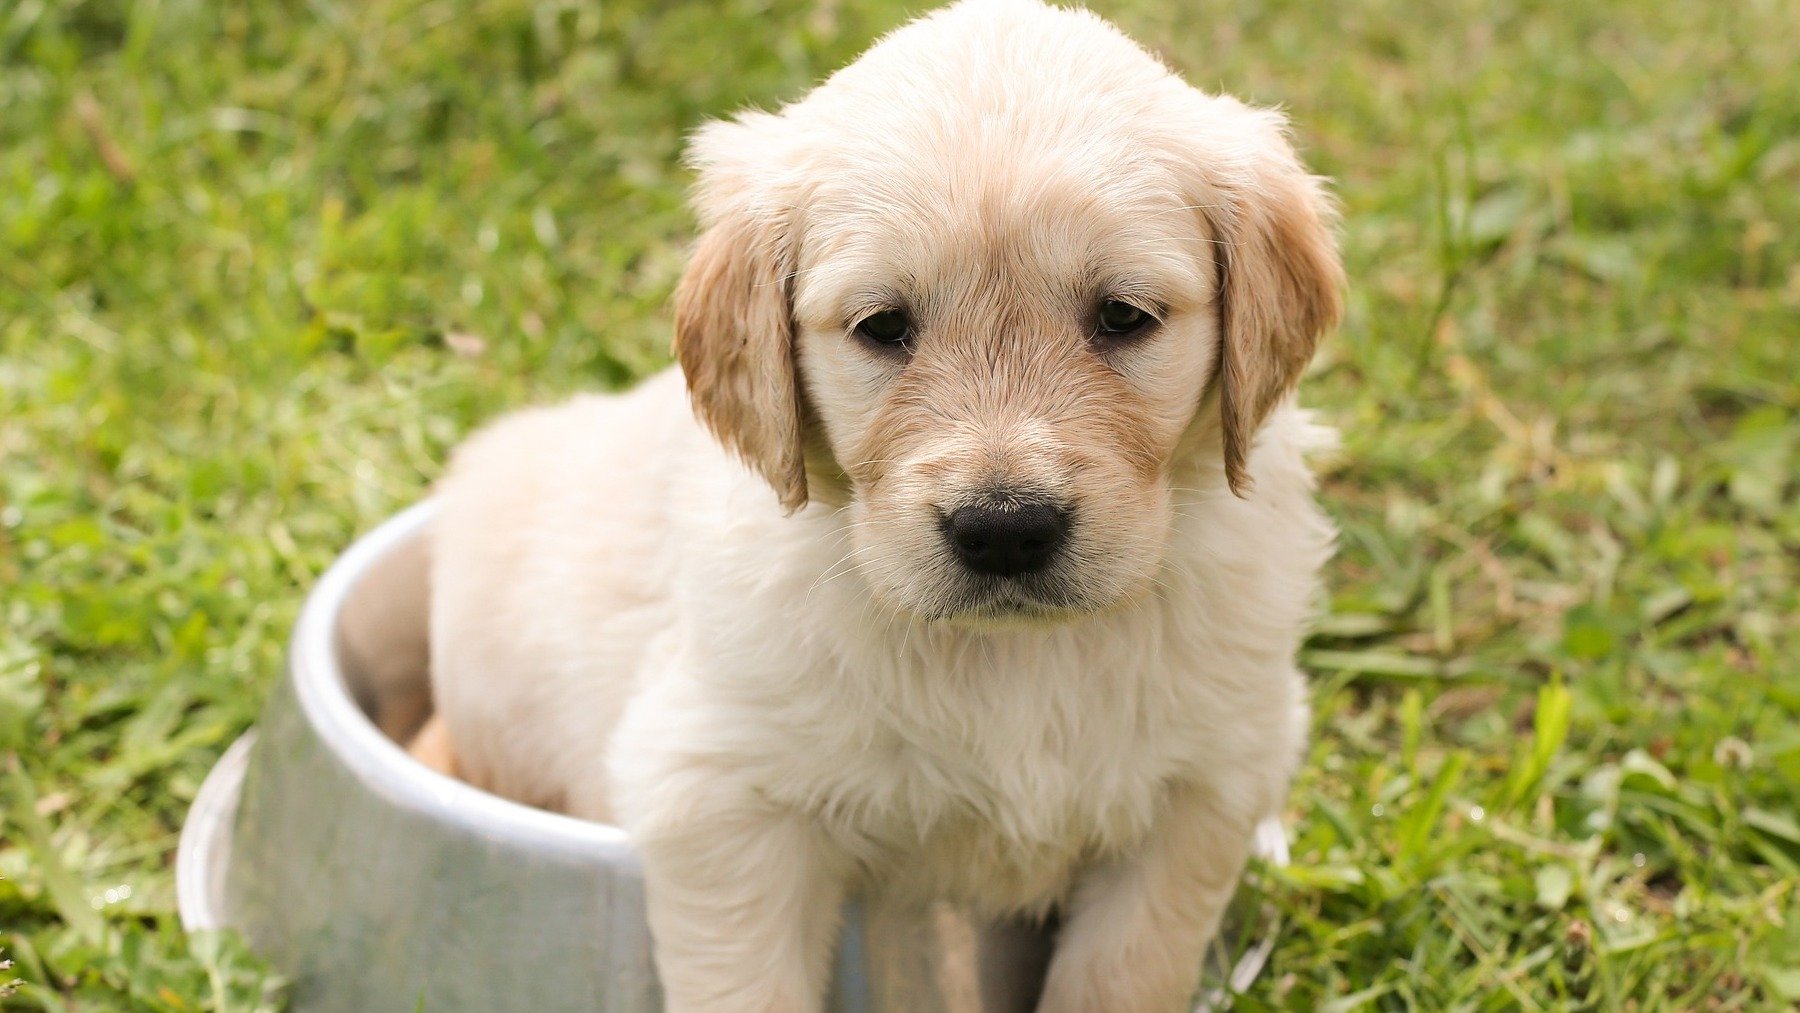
(376, 883)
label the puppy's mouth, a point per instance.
(1006, 601)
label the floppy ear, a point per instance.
(1280, 281)
(734, 329)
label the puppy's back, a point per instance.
(550, 569)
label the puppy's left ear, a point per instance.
(734, 327)
(1280, 280)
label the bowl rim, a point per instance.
(379, 763)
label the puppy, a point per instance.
(981, 573)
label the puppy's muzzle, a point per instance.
(1007, 540)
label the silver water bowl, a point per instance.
(378, 884)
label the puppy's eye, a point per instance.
(1118, 319)
(889, 327)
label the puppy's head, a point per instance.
(1001, 288)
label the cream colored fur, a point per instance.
(765, 663)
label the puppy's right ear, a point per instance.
(734, 326)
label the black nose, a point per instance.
(1007, 540)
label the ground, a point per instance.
(262, 264)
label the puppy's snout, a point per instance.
(1007, 540)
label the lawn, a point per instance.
(261, 265)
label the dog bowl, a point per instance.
(376, 883)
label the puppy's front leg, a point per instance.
(744, 900)
(1138, 927)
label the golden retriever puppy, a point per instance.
(980, 574)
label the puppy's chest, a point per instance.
(998, 809)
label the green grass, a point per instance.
(243, 246)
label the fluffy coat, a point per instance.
(721, 613)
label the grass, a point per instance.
(262, 264)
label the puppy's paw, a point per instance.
(432, 747)
(1116, 988)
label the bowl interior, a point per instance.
(383, 640)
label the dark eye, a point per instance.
(1121, 319)
(889, 327)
